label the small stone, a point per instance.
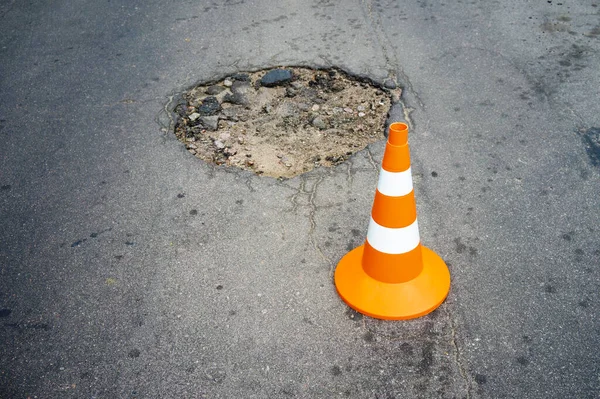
(181, 109)
(230, 151)
(134, 353)
(210, 106)
(219, 144)
(361, 114)
(193, 146)
(241, 77)
(389, 84)
(210, 122)
(279, 156)
(337, 110)
(319, 123)
(227, 83)
(316, 107)
(287, 164)
(303, 106)
(249, 162)
(241, 140)
(222, 95)
(231, 113)
(224, 136)
(235, 98)
(240, 87)
(248, 155)
(215, 89)
(287, 109)
(337, 87)
(348, 110)
(276, 77)
(194, 116)
(297, 85)
(290, 92)
(192, 151)
(360, 108)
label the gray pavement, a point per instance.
(130, 269)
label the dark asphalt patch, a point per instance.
(591, 140)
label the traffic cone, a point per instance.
(392, 276)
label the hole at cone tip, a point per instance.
(282, 122)
(398, 134)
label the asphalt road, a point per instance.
(128, 268)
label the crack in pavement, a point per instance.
(294, 197)
(311, 193)
(248, 182)
(457, 356)
(312, 205)
(372, 159)
(394, 67)
(349, 176)
(313, 224)
(406, 111)
(168, 110)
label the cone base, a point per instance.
(399, 301)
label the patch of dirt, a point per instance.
(283, 122)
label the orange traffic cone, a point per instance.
(392, 276)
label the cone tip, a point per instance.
(398, 133)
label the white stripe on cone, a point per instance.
(395, 184)
(393, 241)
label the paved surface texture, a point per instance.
(128, 268)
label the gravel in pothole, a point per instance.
(283, 122)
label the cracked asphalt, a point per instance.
(130, 269)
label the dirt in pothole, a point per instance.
(283, 122)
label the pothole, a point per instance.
(285, 121)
